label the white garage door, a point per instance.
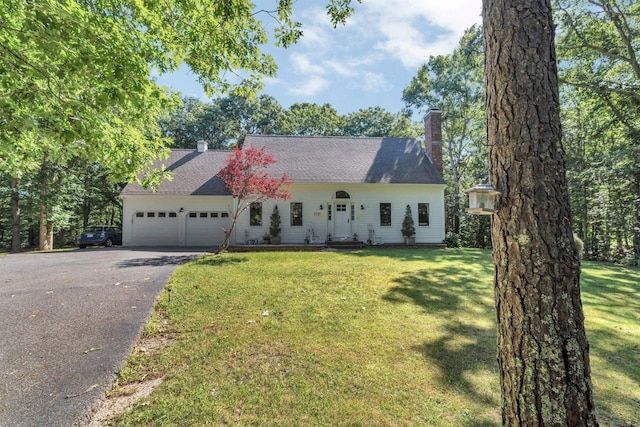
(206, 228)
(155, 229)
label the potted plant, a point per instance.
(274, 228)
(266, 239)
(408, 228)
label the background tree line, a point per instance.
(597, 45)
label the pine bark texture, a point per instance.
(543, 353)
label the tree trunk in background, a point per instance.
(543, 354)
(46, 228)
(456, 198)
(16, 239)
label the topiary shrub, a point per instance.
(274, 227)
(408, 228)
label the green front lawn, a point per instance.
(370, 338)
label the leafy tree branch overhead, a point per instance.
(83, 71)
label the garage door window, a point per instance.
(155, 214)
(212, 215)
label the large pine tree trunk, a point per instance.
(543, 354)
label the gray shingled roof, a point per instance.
(193, 174)
(306, 159)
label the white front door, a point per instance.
(342, 220)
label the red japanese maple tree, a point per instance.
(246, 178)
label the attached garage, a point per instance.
(206, 228)
(152, 228)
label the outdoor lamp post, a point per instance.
(482, 199)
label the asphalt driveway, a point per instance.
(68, 321)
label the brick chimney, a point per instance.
(433, 137)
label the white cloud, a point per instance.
(309, 87)
(316, 28)
(302, 65)
(411, 31)
(369, 59)
(374, 82)
(342, 68)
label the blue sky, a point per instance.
(366, 63)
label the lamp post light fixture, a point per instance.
(482, 199)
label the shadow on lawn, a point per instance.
(463, 347)
(614, 294)
(464, 255)
(218, 260)
(444, 288)
(462, 351)
(611, 287)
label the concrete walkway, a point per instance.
(69, 320)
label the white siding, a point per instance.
(367, 195)
(312, 196)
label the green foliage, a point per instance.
(452, 240)
(408, 227)
(223, 123)
(340, 10)
(226, 121)
(83, 195)
(454, 84)
(308, 119)
(275, 222)
(598, 47)
(70, 74)
(377, 122)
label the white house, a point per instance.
(340, 187)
